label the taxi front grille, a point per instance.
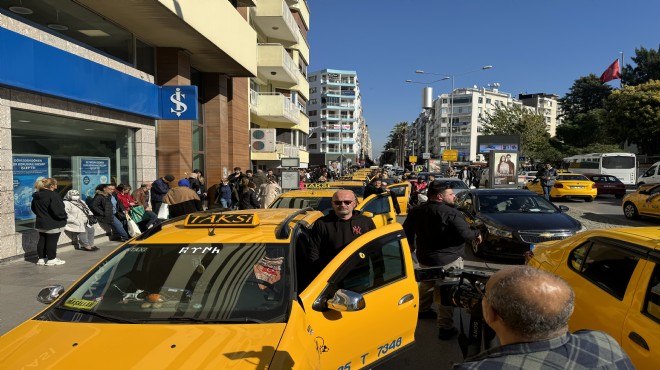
(529, 237)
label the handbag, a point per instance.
(137, 213)
(164, 211)
(91, 219)
(133, 228)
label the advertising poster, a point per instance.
(28, 168)
(435, 165)
(505, 169)
(89, 173)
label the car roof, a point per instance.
(309, 193)
(503, 192)
(272, 226)
(650, 234)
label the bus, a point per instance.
(621, 165)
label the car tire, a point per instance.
(590, 199)
(630, 211)
(619, 196)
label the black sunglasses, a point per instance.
(340, 202)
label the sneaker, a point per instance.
(41, 262)
(428, 314)
(446, 334)
(55, 261)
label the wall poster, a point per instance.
(89, 172)
(28, 168)
(505, 169)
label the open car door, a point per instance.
(379, 208)
(363, 306)
(402, 192)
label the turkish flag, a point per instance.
(611, 73)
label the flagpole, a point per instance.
(620, 79)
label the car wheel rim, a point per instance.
(629, 210)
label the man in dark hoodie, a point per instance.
(331, 233)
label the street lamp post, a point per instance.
(451, 101)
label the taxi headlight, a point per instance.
(499, 232)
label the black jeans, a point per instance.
(47, 245)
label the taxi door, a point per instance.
(402, 192)
(641, 330)
(377, 266)
(381, 208)
(651, 205)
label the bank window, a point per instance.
(373, 266)
(79, 154)
(607, 266)
(652, 301)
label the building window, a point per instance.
(481, 100)
(487, 100)
(67, 147)
(312, 90)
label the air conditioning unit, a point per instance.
(262, 140)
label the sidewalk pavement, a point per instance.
(21, 280)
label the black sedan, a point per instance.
(512, 220)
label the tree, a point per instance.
(647, 67)
(396, 141)
(633, 115)
(518, 120)
(582, 112)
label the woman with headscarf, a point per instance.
(182, 200)
(50, 221)
(77, 226)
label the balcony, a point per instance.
(287, 150)
(303, 48)
(274, 107)
(302, 9)
(275, 20)
(303, 86)
(275, 64)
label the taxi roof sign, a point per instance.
(222, 220)
(317, 185)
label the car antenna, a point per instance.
(212, 228)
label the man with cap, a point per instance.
(159, 188)
(438, 231)
(182, 200)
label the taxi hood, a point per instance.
(64, 345)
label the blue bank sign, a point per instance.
(178, 102)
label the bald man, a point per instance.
(529, 310)
(334, 231)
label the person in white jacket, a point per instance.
(78, 226)
(269, 191)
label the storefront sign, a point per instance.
(89, 173)
(28, 168)
(178, 102)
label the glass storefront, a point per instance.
(79, 154)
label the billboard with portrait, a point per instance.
(504, 169)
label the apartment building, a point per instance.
(338, 130)
(547, 105)
(83, 96)
(463, 109)
(279, 93)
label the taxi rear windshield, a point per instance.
(184, 283)
(322, 204)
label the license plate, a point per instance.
(577, 187)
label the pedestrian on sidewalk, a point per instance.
(50, 221)
(106, 208)
(78, 227)
(182, 200)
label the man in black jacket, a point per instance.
(108, 209)
(159, 188)
(438, 231)
(331, 233)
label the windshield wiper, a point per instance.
(100, 315)
(195, 320)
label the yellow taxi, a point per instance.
(356, 186)
(221, 291)
(401, 190)
(377, 206)
(615, 274)
(568, 185)
(645, 201)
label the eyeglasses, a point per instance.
(340, 202)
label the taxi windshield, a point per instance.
(316, 203)
(184, 283)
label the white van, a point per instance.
(651, 176)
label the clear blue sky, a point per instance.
(534, 46)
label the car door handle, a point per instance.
(638, 339)
(406, 298)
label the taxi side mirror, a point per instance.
(343, 301)
(49, 294)
(368, 214)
